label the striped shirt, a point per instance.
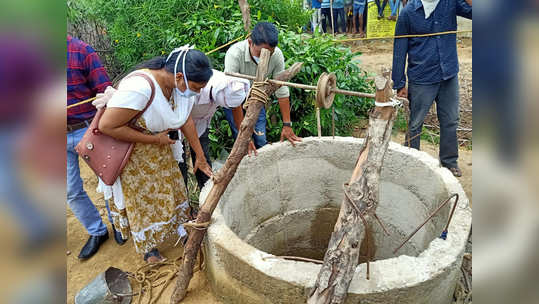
(86, 77)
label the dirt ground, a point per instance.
(79, 274)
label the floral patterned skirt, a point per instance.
(155, 199)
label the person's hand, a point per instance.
(288, 133)
(102, 99)
(202, 165)
(252, 149)
(164, 139)
(402, 92)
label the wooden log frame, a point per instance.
(222, 178)
(246, 14)
(357, 214)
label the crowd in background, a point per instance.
(349, 16)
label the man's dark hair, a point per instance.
(265, 32)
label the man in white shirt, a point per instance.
(221, 91)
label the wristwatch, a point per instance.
(287, 124)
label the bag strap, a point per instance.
(152, 85)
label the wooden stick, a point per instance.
(222, 178)
(245, 14)
(318, 123)
(358, 207)
(304, 86)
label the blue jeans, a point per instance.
(77, 199)
(259, 135)
(32, 222)
(394, 5)
(381, 7)
(446, 94)
(339, 20)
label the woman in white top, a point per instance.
(150, 200)
(221, 91)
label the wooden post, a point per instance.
(222, 178)
(246, 14)
(318, 123)
(358, 207)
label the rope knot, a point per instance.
(257, 93)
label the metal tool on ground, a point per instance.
(111, 286)
(444, 233)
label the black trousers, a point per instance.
(201, 177)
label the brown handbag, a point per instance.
(105, 155)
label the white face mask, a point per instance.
(257, 59)
(187, 93)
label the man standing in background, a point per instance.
(432, 70)
(85, 78)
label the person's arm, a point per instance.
(283, 95)
(190, 132)
(287, 132)
(464, 8)
(237, 113)
(232, 60)
(97, 77)
(400, 50)
(114, 123)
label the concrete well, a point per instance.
(286, 202)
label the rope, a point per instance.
(228, 43)
(405, 36)
(81, 102)
(257, 93)
(393, 103)
(197, 226)
(150, 276)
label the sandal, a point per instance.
(456, 171)
(154, 253)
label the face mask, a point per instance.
(187, 93)
(257, 59)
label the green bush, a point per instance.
(142, 29)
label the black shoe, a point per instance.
(118, 237)
(92, 246)
(456, 171)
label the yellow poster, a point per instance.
(377, 28)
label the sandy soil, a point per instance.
(79, 274)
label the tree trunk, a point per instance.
(246, 14)
(222, 178)
(358, 208)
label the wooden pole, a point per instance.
(358, 207)
(332, 21)
(246, 14)
(318, 123)
(222, 178)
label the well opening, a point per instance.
(288, 206)
(285, 202)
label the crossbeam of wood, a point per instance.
(357, 214)
(305, 86)
(222, 178)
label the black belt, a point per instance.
(78, 125)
